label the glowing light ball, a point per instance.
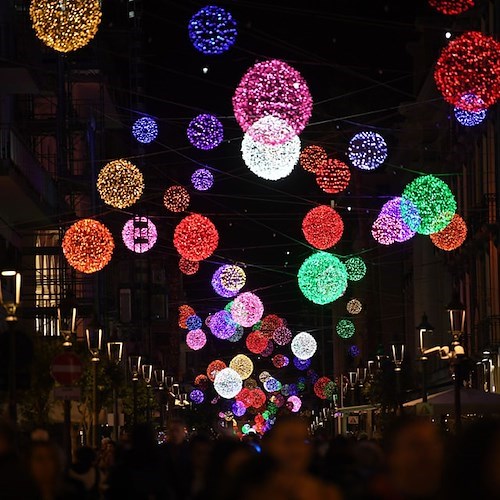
(282, 335)
(247, 309)
(88, 246)
(434, 201)
(469, 118)
(322, 278)
(301, 364)
(354, 306)
(245, 396)
(280, 361)
(304, 345)
(195, 237)
(469, 64)
(202, 179)
(205, 132)
(354, 351)
(270, 162)
(145, 130)
(397, 229)
(272, 385)
(201, 381)
(222, 326)
(233, 278)
(194, 322)
(269, 324)
(215, 367)
(312, 157)
(384, 229)
(323, 227)
(356, 268)
(242, 365)
(333, 176)
(451, 7)
(273, 88)
(212, 30)
(295, 403)
(345, 329)
(120, 184)
(227, 383)
(197, 396)
(65, 26)
(246, 428)
(258, 398)
(185, 312)
(219, 288)
(176, 199)
(188, 267)
(238, 408)
(264, 376)
(271, 131)
(139, 234)
(323, 388)
(268, 350)
(367, 150)
(250, 383)
(238, 335)
(256, 342)
(452, 236)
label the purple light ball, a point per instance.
(202, 179)
(197, 396)
(219, 288)
(301, 364)
(238, 408)
(222, 326)
(139, 234)
(205, 132)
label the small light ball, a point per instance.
(264, 376)
(354, 306)
(282, 335)
(356, 268)
(218, 287)
(469, 118)
(323, 227)
(145, 130)
(196, 396)
(247, 309)
(194, 322)
(176, 199)
(139, 234)
(392, 224)
(354, 351)
(451, 7)
(238, 334)
(227, 383)
(205, 132)
(301, 364)
(272, 385)
(312, 157)
(185, 312)
(280, 361)
(233, 278)
(304, 345)
(269, 324)
(295, 402)
(345, 329)
(195, 237)
(258, 398)
(215, 367)
(324, 388)
(367, 150)
(238, 408)
(222, 325)
(202, 179)
(333, 176)
(242, 365)
(269, 349)
(452, 236)
(201, 381)
(188, 267)
(256, 342)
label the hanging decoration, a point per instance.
(367, 150)
(272, 385)
(301, 364)
(295, 403)
(280, 361)
(271, 131)
(324, 388)
(218, 287)
(312, 157)
(202, 179)
(345, 329)
(356, 268)
(238, 408)
(139, 234)
(196, 339)
(397, 229)
(222, 325)
(333, 176)
(323, 227)
(145, 130)
(269, 324)
(205, 132)
(185, 311)
(238, 334)
(452, 236)
(176, 199)
(88, 246)
(451, 7)
(232, 277)
(256, 342)
(242, 365)
(227, 383)
(197, 396)
(215, 367)
(201, 381)
(304, 346)
(269, 349)
(354, 351)
(354, 307)
(188, 267)
(282, 335)
(469, 118)
(194, 322)
(195, 237)
(247, 309)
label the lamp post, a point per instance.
(10, 281)
(147, 375)
(115, 352)
(160, 382)
(94, 344)
(424, 328)
(134, 363)
(398, 354)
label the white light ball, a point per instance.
(228, 383)
(304, 345)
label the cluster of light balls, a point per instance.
(367, 150)
(205, 132)
(145, 130)
(139, 234)
(323, 227)
(451, 7)
(469, 118)
(202, 179)
(120, 183)
(195, 237)
(176, 199)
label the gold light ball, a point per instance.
(120, 183)
(65, 25)
(242, 365)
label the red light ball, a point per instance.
(188, 267)
(185, 312)
(312, 157)
(452, 236)
(258, 398)
(201, 381)
(215, 367)
(333, 176)
(269, 324)
(195, 237)
(256, 342)
(323, 227)
(451, 7)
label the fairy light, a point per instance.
(333, 176)
(295, 403)
(195, 237)
(237, 335)
(269, 324)
(324, 388)
(258, 398)
(272, 385)
(139, 234)
(312, 157)
(392, 222)
(354, 306)
(256, 342)
(205, 132)
(280, 361)
(215, 367)
(201, 381)
(271, 130)
(238, 408)
(65, 25)
(322, 278)
(247, 309)
(268, 350)
(242, 365)
(194, 322)
(145, 130)
(451, 7)
(218, 287)
(222, 325)
(452, 236)
(185, 311)
(323, 227)
(282, 335)
(263, 376)
(227, 383)
(88, 246)
(301, 364)
(367, 150)
(188, 267)
(120, 183)
(197, 396)
(202, 179)
(354, 351)
(196, 339)
(356, 268)
(233, 277)
(304, 345)
(345, 329)
(469, 118)
(176, 199)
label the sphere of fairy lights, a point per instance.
(245, 397)
(194, 322)
(250, 383)
(271, 131)
(242, 365)
(282, 335)
(278, 399)
(469, 64)
(205, 132)
(238, 408)
(145, 130)
(333, 176)
(434, 201)
(385, 228)
(196, 396)
(469, 118)
(65, 26)
(120, 183)
(367, 150)
(139, 234)
(304, 345)
(392, 226)
(196, 237)
(222, 325)
(345, 329)
(312, 376)
(238, 334)
(256, 342)
(354, 351)
(188, 267)
(322, 278)
(312, 157)
(269, 349)
(323, 227)
(201, 381)
(301, 364)
(219, 288)
(356, 268)
(215, 367)
(354, 307)
(88, 246)
(273, 88)
(202, 179)
(263, 376)
(272, 385)
(269, 324)
(451, 7)
(212, 30)
(270, 162)
(247, 309)
(185, 312)
(295, 402)
(227, 383)
(452, 236)
(258, 398)
(233, 277)
(322, 387)
(176, 199)
(280, 361)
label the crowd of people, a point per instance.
(413, 461)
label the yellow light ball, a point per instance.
(242, 365)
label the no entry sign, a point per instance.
(66, 368)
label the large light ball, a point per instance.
(65, 25)
(176, 199)
(202, 179)
(434, 202)
(304, 346)
(196, 339)
(256, 342)
(222, 325)
(333, 176)
(145, 130)
(469, 118)
(212, 30)
(312, 157)
(356, 268)
(227, 383)
(451, 7)
(397, 229)
(242, 365)
(322, 278)
(345, 329)
(271, 131)
(195, 237)
(120, 184)
(367, 150)
(452, 236)
(218, 287)
(188, 267)
(273, 88)
(247, 309)
(139, 234)
(323, 227)
(205, 132)
(214, 368)
(88, 246)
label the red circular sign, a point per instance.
(66, 368)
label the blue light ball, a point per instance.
(145, 130)
(469, 118)
(367, 150)
(202, 179)
(194, 322)
(197, 396)
(301, 364)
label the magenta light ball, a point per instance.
(139, 234)
(247, 309)
(196, 339)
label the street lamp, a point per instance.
(424, 328)
(147, 375)
(134, 364)
(398, 354)
(66, 318)
(94, 344)
(115, 353)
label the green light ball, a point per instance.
(345, 329)
(356, 268)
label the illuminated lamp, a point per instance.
(301, 364)
(280, 361)
(188, 267)
(322, 227)
(233, 278)
(333, 176)
(201, 381)
(451, 7)
(176, 199)
(282, 335)
(195, 237)
(194, 322)
(238, 408)
(397, 229)
(219, 288)
(120, 183)
(67, 25)
(354, 306)
(185, 312)
(354, 351)
(256, 342)
(312, 157)
(295, 403)
(356, 268)
(269, 324)
(197, 396)
(242, 365)
(205, 132)
(145, 130)
(139, 234)
(469, 118)
(222, 326)
(196, 339)
(238, 335)
(272, 385)
(202, 179)
(345, 329)
(304, 345)
(384, 228)
(469, 64)
(215, 367)
(246, 428)
(227, 383)
(452, 236)
(367, 150)
(258, 398)
(247, 309)
(268, 350)
(88, 246)
(322, 278)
